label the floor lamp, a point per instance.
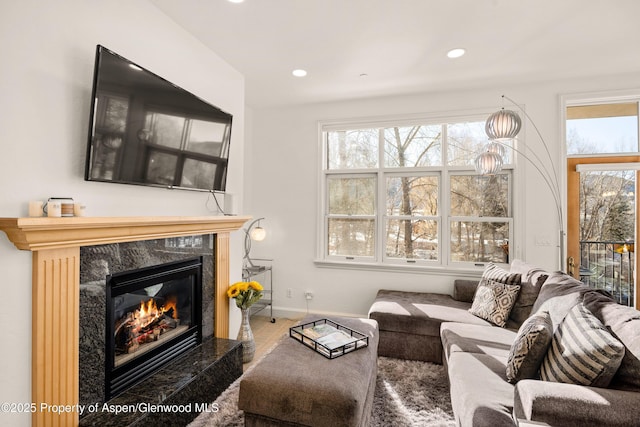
(502, 127)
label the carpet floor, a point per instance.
(408, 393)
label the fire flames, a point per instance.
(146, 324)
(149, 311)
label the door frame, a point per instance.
(573, 209)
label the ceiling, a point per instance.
(368, 48)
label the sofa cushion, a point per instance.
(558, 295)
(462, 337)
(530, 347)
(624, 323)
(571, 405)
(532, 279)
(582, 351)
(480, 393)
(418, 313)
(493, 301)
(464, 290)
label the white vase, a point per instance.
(246, 336)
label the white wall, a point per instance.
(282, 155)
(48, 50)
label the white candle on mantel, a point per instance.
(79, 209)
(35, 208)
(54, 209)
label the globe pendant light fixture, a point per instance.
(496, 147)
(503, 125)
(488, 163)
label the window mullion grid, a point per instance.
(381, 200)
(443, 216)
(444, 203)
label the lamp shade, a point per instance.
(258, 234)
(495, 147)
(503, 124)
(488, 163)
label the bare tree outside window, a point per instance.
(481, 237)
(412, 225)
(405, 219)
(353, 149)
(606, 206)
(412, 201)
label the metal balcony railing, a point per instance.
(609, 266)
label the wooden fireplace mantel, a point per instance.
(55, 243)
(52, 233)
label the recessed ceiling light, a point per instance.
(456, 53)
(236, 1)
(299, 72)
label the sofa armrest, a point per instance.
(559, 404)
(464, 290)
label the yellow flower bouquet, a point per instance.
(245, 293)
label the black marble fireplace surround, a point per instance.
(98, 262)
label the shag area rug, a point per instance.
(408, 393)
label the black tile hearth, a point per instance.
(175, 394)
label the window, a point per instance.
(610, 128)
(408, 193)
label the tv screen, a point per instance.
(145, 130)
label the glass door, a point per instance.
(603, 159)
(602, 219)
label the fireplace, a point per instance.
(153, 316)
(57, 314)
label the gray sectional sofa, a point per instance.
(439, 328)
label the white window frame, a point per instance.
(343, 174)
(444, 218)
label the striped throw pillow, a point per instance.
(495, 272)
(582, 351)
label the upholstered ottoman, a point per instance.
(295, 386)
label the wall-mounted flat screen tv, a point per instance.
(145, 130)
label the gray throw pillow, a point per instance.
(530, 347)
(582, 351)
(531, 281)
(493, 301)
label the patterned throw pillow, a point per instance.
(530, 347)
(493, 301)
(582, 351)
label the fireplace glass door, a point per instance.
(153, 316)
